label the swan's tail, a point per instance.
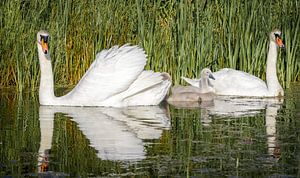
(149, 89)
(193, 82)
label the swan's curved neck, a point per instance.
(46, 90)
(271, 75)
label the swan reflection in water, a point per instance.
(116, 133)
(237, 107)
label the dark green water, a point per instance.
(228, 138)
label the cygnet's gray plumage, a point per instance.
(205, 92)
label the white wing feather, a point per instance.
(146, 80)
(149, 89)
(112, 72)
(193, 82)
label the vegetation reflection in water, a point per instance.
(232, 137)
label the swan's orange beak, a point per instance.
(279, 42)
(44, 45)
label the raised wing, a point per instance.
(193, 82)
(112, 72)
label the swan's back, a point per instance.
(229, 81)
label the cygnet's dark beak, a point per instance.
(211, 76)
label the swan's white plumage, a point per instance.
(116, 75)
(148, 85)
(144, 81)
(111, 73)
(238, 83)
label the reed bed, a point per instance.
(180, 37)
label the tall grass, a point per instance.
(180, 37)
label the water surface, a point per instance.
(234, 137)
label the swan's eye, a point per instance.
(276, 35)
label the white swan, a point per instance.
(238, 83)
(116, 78)
(203, 91)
